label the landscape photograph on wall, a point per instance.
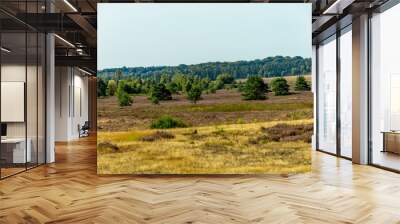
(204, 89)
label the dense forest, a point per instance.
(267, 67)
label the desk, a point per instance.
(13, 150)
(391, 141)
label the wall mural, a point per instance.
(204, 88)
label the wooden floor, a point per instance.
(69, 191)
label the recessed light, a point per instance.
(70, 5)
(64, 40)
(5, 50)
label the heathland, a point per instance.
(220, 132)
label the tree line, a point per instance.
(267, 67)
(162, 89)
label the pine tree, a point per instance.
(280, 86)
(254, 89)
(194, 94)
(301, 84)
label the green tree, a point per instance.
(226, 78)
(159, 92)
(118, 75)
(180, 80)
(254, 89)
(280, 86)
(172, 87)
(124, 99)
(194, 94)
(301, 84)
(111, 87)
(101, 87)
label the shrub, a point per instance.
(301, 84)
(287, 133)
(157, 136)
(111, 87)
(101, 87)
(254, 89)
(280, 86)
(159, 92)
(194, 94)
(172, 87)
(124, 99)
(226, 78)
(166, 121)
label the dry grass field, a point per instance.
(224, 134)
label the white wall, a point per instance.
(71, 102)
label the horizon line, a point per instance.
(98, 70)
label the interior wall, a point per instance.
(71, 102)
(15, 73)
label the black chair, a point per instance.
(84, 130)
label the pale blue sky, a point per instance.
(171, 34)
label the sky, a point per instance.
(148, 34)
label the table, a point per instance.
(13, 150)
(391, 141)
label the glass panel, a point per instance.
(32, 88)
(13, 86)
(31, 98)
(41, 99)
(346, 94)
(327, 96)
(385, 89)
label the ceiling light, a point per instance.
(338, 6)
(84, 71)
(5, 50)
(70, 5)
(65, 41)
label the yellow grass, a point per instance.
(203, 150)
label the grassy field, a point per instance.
(229, 149)
(224, 134)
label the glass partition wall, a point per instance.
(345, 91)
(385, 89)
(334, 86)
(22, 107)
(327, 96)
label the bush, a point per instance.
(166, 121)
(254, 89)
(194, 94)
(124, 99)
(225, 78)
(159, 92)
(301, 84)
(172, 87)
(280, 86)
(101, 87)
(158, 135)
(288, 133)
(111, 87)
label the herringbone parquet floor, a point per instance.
(69, 191)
